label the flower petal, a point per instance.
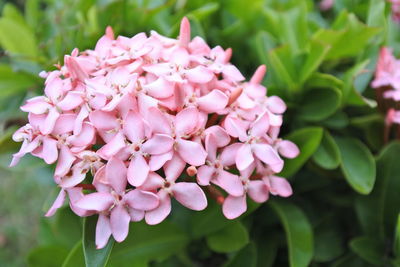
(134, 127)
(99, 201)
(103, 231)
(268, 155)
(186, 121)
(280, 186)
(119, 222)
(229, 182)
(138, 170)
(116, 174)
(199, 74)
(50, 151)
(288, 149)
(205, 174)
(158, 122)
(258, 191)
(158, 214)
(190, 195)
(141, 200)
(113, 147)
(56, 204)
(233, 207)
(191, 152)
(174, 167)
(158, 144)
(244, 157)
(65, 160)
(213, 101)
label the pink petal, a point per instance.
(228, 155)
(37, 105)
(138, 170)
(258, 191)
(211, 147)
(186, 121)
(199, 74)
(75, 178)
(280, 186)
(98, 201)
(116, 174)
(233, 207)
(65, 160)
(74, 68)
(158, 122)
(134, 127)
(258, 75)
(82, 115)
(136, 215)
(236, 128)
(74, 194)
(103, 231)
(161, 88)
(260, 126)
(157, 161)
(103, 120)
(232, 73)
(267, 155)
(174, 168)
(50, 151)
(244, 157)
(113, 147)
(56, 204)
(213, 101)
(276, 104)
(50, 121)
(158, 144)
(221, 136)
(141, 200)
(191, 152)
(158, 214)
(71, 101)
(85, 137)
(64, 124)
(229, 182)
(288, 149)
(190, 195)
(119, 221)
(184, 33)
(205, 174)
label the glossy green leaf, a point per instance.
(94, 257)
(247, 256)
(12, 83)
(319, 104)
(10, 11)
(282, 62)
(293, 28)
(376, 14)
(357, 164)
(47, 256)
(396, 247)
(17, 38)
(314, 59)
(299, 234)
(323, 80)
(369, 249)
(230, 238)
(308, 140)
(75, 257)
(204, 11)
(146, 242)
(327, 155)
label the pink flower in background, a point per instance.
(395, 10)
(136, 112)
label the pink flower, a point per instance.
(136, 109)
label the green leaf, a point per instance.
(293, 28)
(396, 247)
(12, 83)
(376, 14)
(357, 164)
(94, 257)
(314, 59)
(47, 256)
(11, 12)
(327, 155)
(75, 257)
(204, 11)
(319, 104)
(328, 240)
(16, 38)
(308, 140)
(369, 249)
(298, 230)
(323, 80)
(231, 238)
(247, 256)
(148, 242)
(282, 63)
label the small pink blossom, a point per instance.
(134, 113)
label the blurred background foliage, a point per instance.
(346, 202)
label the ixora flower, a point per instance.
(135, 113)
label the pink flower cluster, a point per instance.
(395, 10)
(387, 84)
(122, 122)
